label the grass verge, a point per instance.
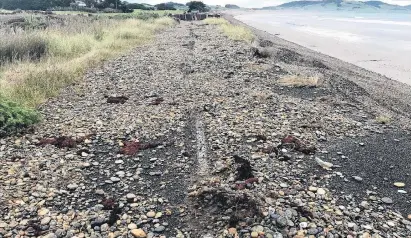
(239, 33)
(36, 64)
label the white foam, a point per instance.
(340, 35)
(385, 22)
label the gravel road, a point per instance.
(192, 136)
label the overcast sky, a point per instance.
(251, 3)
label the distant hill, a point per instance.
(231, 6)
(269, 8)
(298, 4)
(339, 5)
(379, 4)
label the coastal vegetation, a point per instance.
(232, 31)
(382, 119)
(299, 81)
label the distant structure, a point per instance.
(80, 4)
(191, 16)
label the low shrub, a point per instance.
(14, 118)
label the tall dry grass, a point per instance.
(232, 31)
(36, 64)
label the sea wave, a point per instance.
(341, 35)
(385, 22)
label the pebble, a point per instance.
(104, 227)
(399, 185)
(313, 189)
(130, 196)
(45, 221)
(254, 234)
(351, 225)
(303, 225)
(232, 231)
(115, 179)
(151, 214)
(132, 226)
(159, 229)
(138, 233)
(158, 215)
(357, 178)
(321, 191)
(366, 235)
(43, 211)
(386, 200)
(312, 231)
(364, 204)
(258, 228)
(72, 186)
(282, 221)
(283, 185)
(390, 223)
(60, 233)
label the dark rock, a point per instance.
(244, 169)
(116, 100)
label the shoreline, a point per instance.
(380, 91)
(383, 54)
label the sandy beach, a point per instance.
(372, 41)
